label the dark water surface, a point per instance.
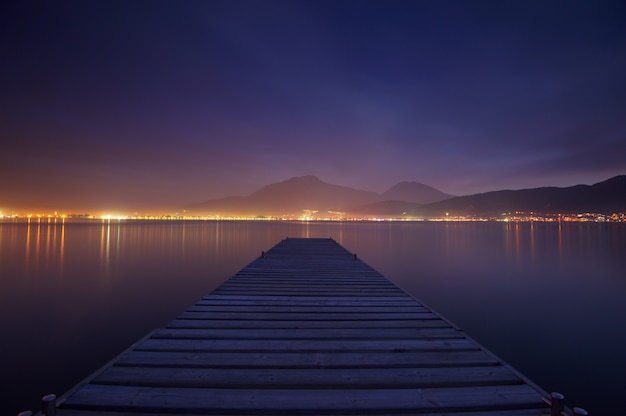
(549, 299)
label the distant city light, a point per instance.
(314, 215)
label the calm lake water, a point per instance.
(549, 299)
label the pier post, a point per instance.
(557, 404)
(48, 405)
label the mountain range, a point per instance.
(320, 199)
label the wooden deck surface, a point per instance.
(306, 330)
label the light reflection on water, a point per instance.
(548, 298)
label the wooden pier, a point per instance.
(306, 329)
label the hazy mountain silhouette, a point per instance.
(414, 192)
(289, 197)
(294, 195)
(603, 197)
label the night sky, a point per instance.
(138, 105)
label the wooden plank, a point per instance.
(254, 401)
(295, 292)
(314, 378)
(329, 280)
(310, 309)
(390, 345)
(240, 288)
(350, 287)
(249, 324)
(344, 279)
(305, 297)
(308, 334)
(267, 316)
(278, 275)
(315, 276)
(284, 301)
(311, 290)
(320, 277)
(288, 359)
(518, 412)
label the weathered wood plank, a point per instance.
(236, 284)
(249, 324)
(306, 297)
(282, 316)
(288, 359)
(274, 301)
(343, 279)
(339, 280)
(318, 279)
(390, 345)
(244, 401)
(327, 290)
(308, 334)
(310, 309)
(329, 284)
(315, 378)
(519, 412)
(297, 292)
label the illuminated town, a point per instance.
(313, 215)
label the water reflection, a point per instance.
(527, 243)
(62, 249)
(105, 248)
(27, 250)
(43, 242)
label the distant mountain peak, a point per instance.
(298, 179)
(414, 192)
(307, 178)
(291, 196)
(304, 180)
(297, 184)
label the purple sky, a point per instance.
(138, 104)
